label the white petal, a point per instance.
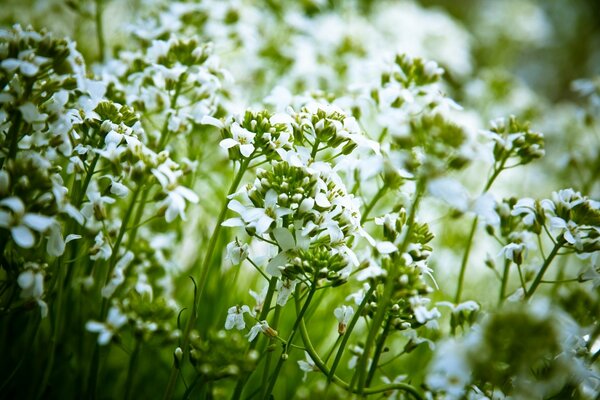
(25, 279)
(233, 222)
(22, 236)
(276, 262)
(37, 222)
(4, 219)
(55, 245)
(208, 120)
(284, 238)
(247, 149)
(228, 143)
(93, 326)
(71, 237)
(322, 201)
(386, 247)
(263, 224)
(187, 194)
(14, 203)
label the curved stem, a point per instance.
(239, 387)
(380, 193)
(465, 260)
(379, 349)
(547, 262)
(286, 346)
(349, 329)
(504, 281)
(334, 378)
(387, 294)
(205, 267)
(133, 361)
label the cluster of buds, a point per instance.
(255, 133)
(513, 139)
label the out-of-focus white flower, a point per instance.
(308, 365)
(449, 371)
(114, 321)
(285, 288)
(235, 317)
(263, 327)
(236, 251)
(22, 224)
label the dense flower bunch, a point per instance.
(211, 209)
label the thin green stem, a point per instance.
(538, 279)
(465, 260)
(286, 347)
(239, 387)
(380, 193)
(504, 281)
(349, 330)
(379, 350)
(267, 365)
(133, 362)
(380, 314)
(205, 268)
(335, 345)
(334, 378)
(100, 30)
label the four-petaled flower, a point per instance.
(235, 317)
(241, 137)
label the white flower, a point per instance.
(118, 275)
(260, 219)
(308, 365)
(235, 317)
(260, 299)
(96, 205)
(525, 206)
(285, 288)
(236, 251)
(241, 137)
(176, 195)
(449, 370)
(31, 282)
(344, 315)
(22, 224)
(263, 327)
(108, 329)
(422, 314)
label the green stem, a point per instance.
(504, 281)
(538, 279)
(465, 260)
(286, 346)
(133, 362)
(379, 350)
(100, 31)
(349, 330)
(380, 193)
(267, 366)
(335, 345)
(315, 149)
(56, 328)
(122, 230)
(205, 267)
(334, 378)
(387, 294)
(239, 387)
